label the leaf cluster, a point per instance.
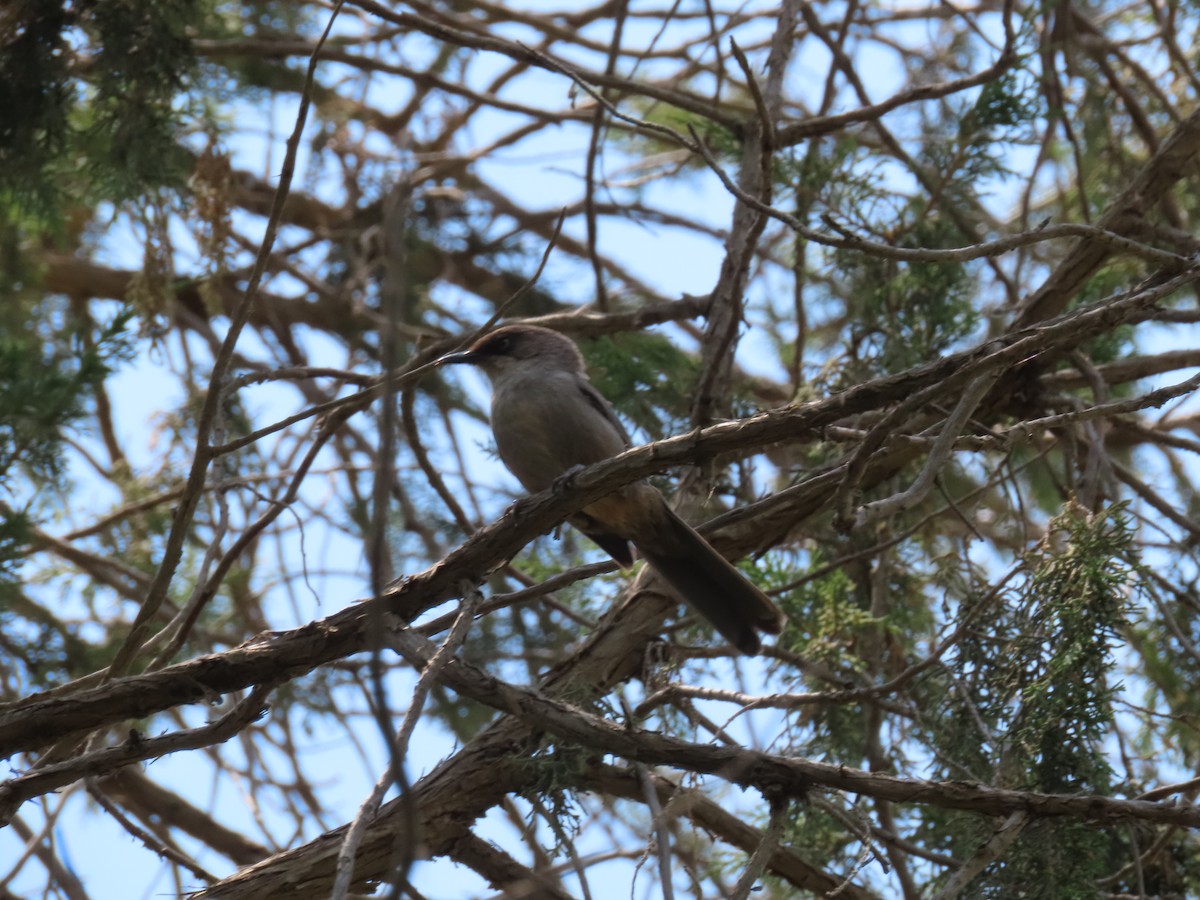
(89, 92)
(904, 313)
(44, 389)
(1035, 676)
(646, 376)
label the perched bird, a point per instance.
(548, 419)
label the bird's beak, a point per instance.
(462, 357)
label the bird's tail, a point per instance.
(709, 583)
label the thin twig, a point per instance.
(399, 752)
(136, 748)
(214, 398)
(762, 853)
(662, 834)
(972, 396)
(1001, 839)
(150, 842)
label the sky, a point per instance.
(547, 174)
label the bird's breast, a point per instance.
(544, 426)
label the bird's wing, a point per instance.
(602, 406)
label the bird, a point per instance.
(548, 420)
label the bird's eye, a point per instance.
(501, 345)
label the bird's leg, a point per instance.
(561, 485)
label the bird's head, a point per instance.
(519, 348)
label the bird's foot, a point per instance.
(564, 481)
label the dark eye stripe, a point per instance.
(497, 345)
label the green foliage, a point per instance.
(255, 75)
(905, 313)
(43, 389)
(1173, 672)
(827, 625)
(646, 377)
(1111, 279)
(1038, 698)
(1073, 612)
(269, 18)
(1010, 101)
(32, 639)
(1051, 860)
(722, 143)
(825, 839)
(966, 146)
(554, 770)
(833, 621)
(90, 101)
(35, 97)
(130, 126)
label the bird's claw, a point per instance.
(564, 481)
